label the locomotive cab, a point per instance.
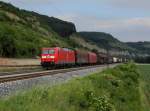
(48, 57)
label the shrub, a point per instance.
(98, 103)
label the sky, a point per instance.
(127, 20)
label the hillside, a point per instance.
(23, 33)
(63, 28)
(102, 41)
(141, 47)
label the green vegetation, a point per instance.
(17, 40)
(111, 90)
(24, 33)
(145, 86)
(141, 47)
(145, 59)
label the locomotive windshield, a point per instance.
(48, 51)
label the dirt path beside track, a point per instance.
(17, 62)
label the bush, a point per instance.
(98, 103)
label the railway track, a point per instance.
(21, 76)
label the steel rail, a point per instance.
(15, 77)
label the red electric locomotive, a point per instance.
(57, 56)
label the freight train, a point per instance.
(57, 56)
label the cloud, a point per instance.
(28, 2)
(138, 4)
(134, 4)
(132, 29)
(99, 23)
(35, 2)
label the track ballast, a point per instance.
(21, 76)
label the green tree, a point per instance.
(7, 45)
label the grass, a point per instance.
(145, 86)
(114, 89)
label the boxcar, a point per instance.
(81, 57)
(101, 58)
(92, 58)
(57, 56)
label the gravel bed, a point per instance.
(9, 88)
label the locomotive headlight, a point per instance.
(43, 57)
(51, 57)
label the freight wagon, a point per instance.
(92, 58)
(81, 57)
(101, 58)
